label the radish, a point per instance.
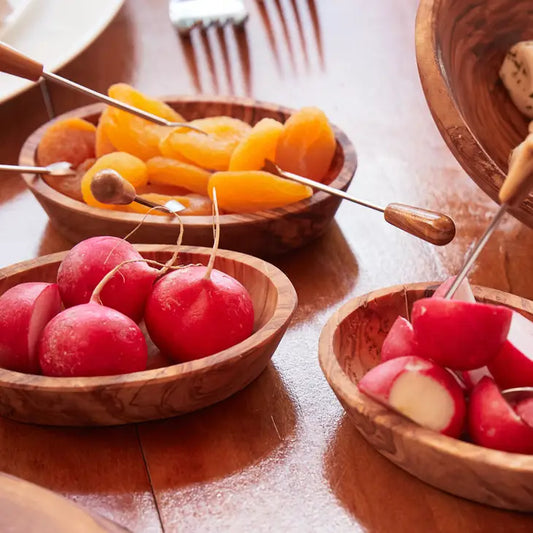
(92, 340)
(524, 409)
(400, 340)
(457, 334)
(420, 390)
(463, 292)
(88, 262)
(197, 311)
(24, 311)
(494, 424)
(513, 365)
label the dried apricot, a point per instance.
(128, 166)
(70, 139)
(167, 171)
(259, 144)
(132, 134)
(195, 204)
(103, 145)
(306, 145)
(254, 190)
(212, 151)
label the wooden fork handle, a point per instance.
(14, 62)
(431, 226)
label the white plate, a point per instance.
(53, 32)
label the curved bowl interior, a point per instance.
(460, 46)
(166, 389)
(350, 345)
(260, 233)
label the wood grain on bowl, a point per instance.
(349, 346)
(460, 46)
(260, 233)
(165, 389)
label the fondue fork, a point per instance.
(430, 226)
(17, 64)
(515, 188)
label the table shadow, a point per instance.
(223, 439)
(323, 272)
(382, 497)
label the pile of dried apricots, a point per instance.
(165, 163)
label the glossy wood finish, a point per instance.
(261, 233)
(165, 389)
(350, 345)
(13, 62)
(23, 505)
(281, 454)
(460, 47)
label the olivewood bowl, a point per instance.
(350, 345)
(166, 389)
(460, 46)
(260, 233)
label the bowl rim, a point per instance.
(407, 430)
(39, 187)
(278, 321)
(442, 105)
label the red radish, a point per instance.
(513, 365)
(24, 311)
(89, 261)
(524, 409)
(197, 311)
(463, 292)
(472, 377)
(457, 334)
(92, 340)
(420, 390)
(189, 315)
(494, 424)
(399, 340)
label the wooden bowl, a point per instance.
(23, 505)
(260, 233)
(350, 345)
(460, 46)
(166, 389)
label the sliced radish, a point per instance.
(524, 409)
(463, 292)
(472, 377)
(457, 334)
(24, 311)
(399, 341)
(494, 424)
(513, 365)
(420, 390)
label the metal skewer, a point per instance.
(61, 168)
(515, 188)
(14, 62)
(431, 226)
(109, 187)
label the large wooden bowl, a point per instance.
(460, 45)
(260, 233)
(165, 389)
(350, 344)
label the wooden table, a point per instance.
(281, 455)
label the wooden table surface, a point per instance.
(281, 455)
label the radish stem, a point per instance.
(216, 236)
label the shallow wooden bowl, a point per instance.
(350, 344)
(460, 45)
(260, 233)
(166, 389)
